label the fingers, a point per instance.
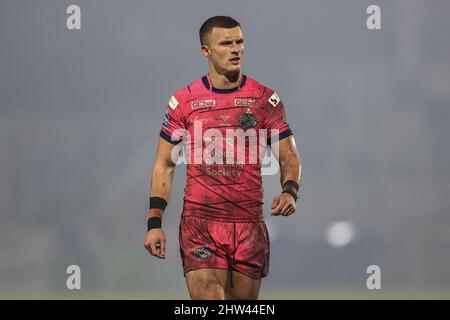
(275, 202)
(163, 249)
(276, 206)
(285, 207)
(291, 211)
(277, 210)
(156, 245)
(288, 209)
(159, 253)
(151, 247)
(156, 249)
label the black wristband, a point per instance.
(153, 223)
(292, 193)
(291, 183)
(291, 187)
(158, 203)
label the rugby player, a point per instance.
(224, 242)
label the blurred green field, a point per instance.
(322, 294)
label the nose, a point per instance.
(236, 48)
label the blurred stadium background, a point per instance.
(81, 113)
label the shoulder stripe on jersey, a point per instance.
(168, 138)
(285, 134)
(280, 136)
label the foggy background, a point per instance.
(81, 112)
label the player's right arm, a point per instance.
(163, 171)
(160, 186)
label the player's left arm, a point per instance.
(289, 159)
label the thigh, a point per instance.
(207, 283)
(241, 287)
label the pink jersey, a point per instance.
(223, 173)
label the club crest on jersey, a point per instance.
(203, 103)
(202, 252)
(240, 102)
(248, 120)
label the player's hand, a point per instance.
(155, 243)
(283, 205)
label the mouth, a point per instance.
(235, 60)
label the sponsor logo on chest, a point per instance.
(197, 104)
(201, 120)
(241, 102)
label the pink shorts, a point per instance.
(238, 246)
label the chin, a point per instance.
(234, 69)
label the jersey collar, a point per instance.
(208, 85)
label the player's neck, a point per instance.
(222, 81)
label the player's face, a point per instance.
(225, 49)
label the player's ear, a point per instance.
(205, 51)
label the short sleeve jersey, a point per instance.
(225, 133)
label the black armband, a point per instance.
(291, 187)
(158, 203)
(291, 183)
(153, 223)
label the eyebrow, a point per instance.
(230, 40)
